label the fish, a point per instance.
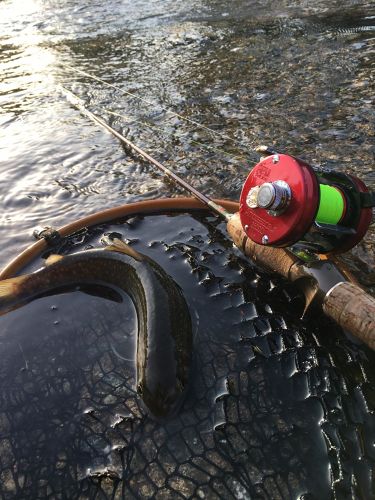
(164, 339)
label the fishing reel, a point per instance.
(286, 202)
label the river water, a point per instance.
(295, 75)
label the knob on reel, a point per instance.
(285, 202)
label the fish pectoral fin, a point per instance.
(118, 245)
(10, 286)
(52, 259)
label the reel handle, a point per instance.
(353, 309)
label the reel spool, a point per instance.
(285, 202)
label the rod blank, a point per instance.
(78, 103)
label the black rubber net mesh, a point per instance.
(276, 407)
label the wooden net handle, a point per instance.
(353, 309)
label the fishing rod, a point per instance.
(315, 213)
(153, 104)
(311, 210)
(76, 101)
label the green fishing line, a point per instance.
(332, 205)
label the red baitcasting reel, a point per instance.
(285, 202)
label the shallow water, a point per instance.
(296, 75)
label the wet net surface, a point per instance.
(276, 408)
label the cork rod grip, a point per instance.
(353, 309)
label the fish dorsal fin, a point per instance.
(118, 245)
(10, 286)
(52, 259)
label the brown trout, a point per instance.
(164, 340)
